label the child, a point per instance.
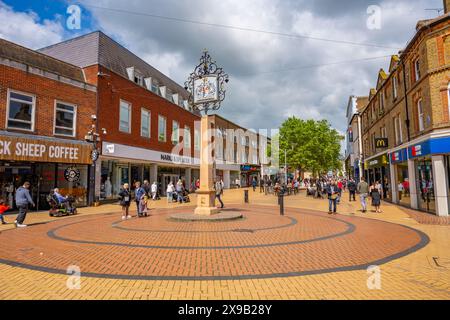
(3, 209)
(143, 203)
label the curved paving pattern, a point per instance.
(261, 245)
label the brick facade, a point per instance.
(46, 91)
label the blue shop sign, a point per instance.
(432, 146)
(398, 156)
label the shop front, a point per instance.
(248, 173)
(46, 164)
(125, 164)
(430, 159)
(400, 174)
(378, 171)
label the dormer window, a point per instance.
(138, 79)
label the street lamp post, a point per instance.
(93, 137)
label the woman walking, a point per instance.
(125, 199)
(375, 193)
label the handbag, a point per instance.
(334, 196)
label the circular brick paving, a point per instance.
(261, 245)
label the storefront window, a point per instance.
(425, 186)
(73, 180)
(403, 184)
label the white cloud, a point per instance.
(26, 29)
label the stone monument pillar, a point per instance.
(206, 195)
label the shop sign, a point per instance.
(27, 149)
(420, 150)
(246, 168)
(175, 158)
(377, 162)
(381, 143)
(398, 156)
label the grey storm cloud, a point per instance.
(272, 76)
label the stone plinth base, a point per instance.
(222, 216)
(206, 211)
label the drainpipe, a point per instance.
(406, 102)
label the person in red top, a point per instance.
(3, 209)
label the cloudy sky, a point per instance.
(272, 76)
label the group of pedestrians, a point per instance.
(334, 191)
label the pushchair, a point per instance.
(184, 196)
(59, 209)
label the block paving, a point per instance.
(305, 254)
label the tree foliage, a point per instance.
(310, 145)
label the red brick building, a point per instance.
(45, 111)
(152, 132)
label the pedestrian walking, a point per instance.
(125, 200)
(218, 186)
(180, 192)
(363, 190)
(375, 194)
(351, 186)
(23, 200)
(170, 191)
(154, 190)
(147, 187)
(139, 193)
(254, 183)
(3, 209)
(333, 194)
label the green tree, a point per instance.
(310, 145)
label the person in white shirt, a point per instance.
(170, 190)
(154, 190)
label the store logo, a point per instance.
(416, 150)
(381, 142)
(110, 148)
(395, 156)
(72, 174)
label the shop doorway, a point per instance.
(425, 186)
(165, 180)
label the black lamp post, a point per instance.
(93, 137)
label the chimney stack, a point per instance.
(446, 6)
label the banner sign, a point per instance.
(40, 150)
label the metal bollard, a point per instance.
(281, 203)
(246, 196)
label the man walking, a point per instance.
(333, 194)
(218, 186)
(351, 189)
(363, 191)
(23, 199)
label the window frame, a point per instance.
(33, 111)
(420, 115)
(75, 111)
(394, 87)
(197, 139)
(187, 133)
(165, 128)
(129, 116)
(143, 110)
(417, 74)
(177, 140)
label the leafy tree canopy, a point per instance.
(310, 145)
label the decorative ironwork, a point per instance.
(206, 85)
